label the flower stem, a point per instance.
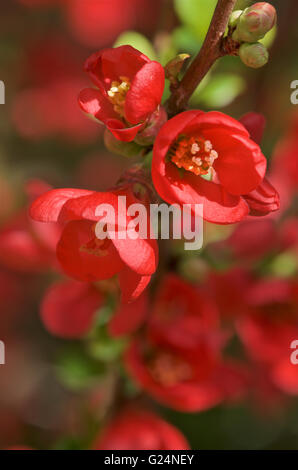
(211, 50)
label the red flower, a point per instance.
(26, 245)
(69, 307)
(263, 200)
(130, 89)
(135, 429)
(129, 317)
(270, 328)
(178, 361)
(209, 159)
(86, 258)
(114, 17)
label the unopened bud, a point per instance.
(255, 22)
(233, 21)
(149, 134)
(253, 55)
(126, 149)
(174, 67)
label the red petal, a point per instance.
(145, 93)
(218, 206)
(123, 61)
(95, 103)
(132, 284)
(80, 264)
(255, 123)
(139, 255)
(85, 207)
(140, 430)
(69, 307)
(263, 200)
(241, 166)
(215, 120)
(48, 206)
(125, 134)
(129, 317)
(111, 64)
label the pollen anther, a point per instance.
(194, 154)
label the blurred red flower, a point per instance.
(129, 317)
(135, 429)
(26, 245)
(130, 89)
(85, 257)
(52, 67)
(178, 361)
(209, 159)
(270, 327)
(68, 308)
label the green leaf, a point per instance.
(185, 40)
(76, 371)
(284, 265)
(196, 14)
(105, 348)
(269, 38)
(138, 41)
(220, 91)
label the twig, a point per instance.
(211, 50)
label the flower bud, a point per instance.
(233, 21)
(174, 67)
(149, 134)
(255, 22)
(253, 55)
(126, 149)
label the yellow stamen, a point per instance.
(168, 369)
(193, 154)
(117, 94)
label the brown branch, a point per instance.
(211, 50)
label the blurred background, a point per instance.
(54, 392)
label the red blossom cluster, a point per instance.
(174, 323)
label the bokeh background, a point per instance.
(54, 392)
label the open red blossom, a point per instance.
(130, 89)
(82, 254)
(269, 329)
(136, 429)
(26, 245)
(181, 382)
(209, 159)
(68, 308)
(184, 317)
(178, 360)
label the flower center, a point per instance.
(194, 154)
(96, 247)
(168, 369)
(117, 94)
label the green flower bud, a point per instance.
(233, 21)
(255, 22)
(174, 67)
(253, 55)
